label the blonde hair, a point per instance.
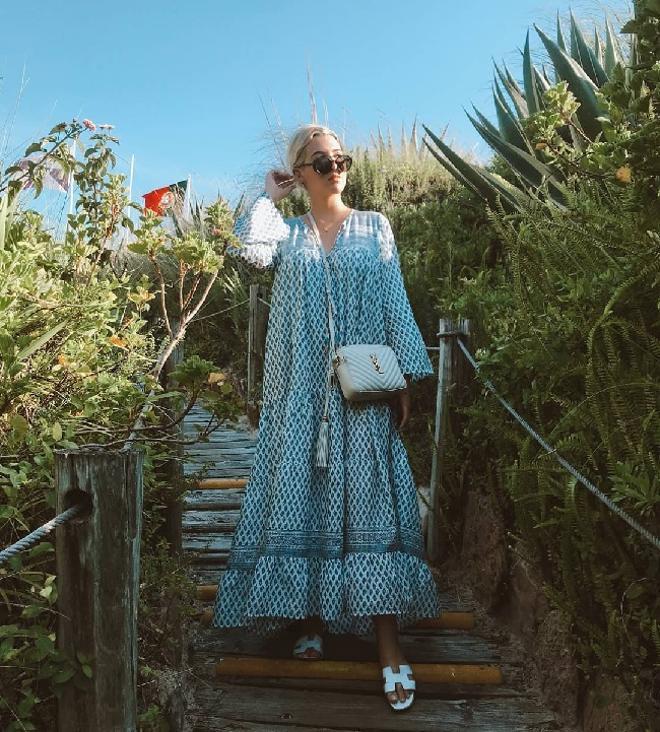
(300, 139)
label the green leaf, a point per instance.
(510, 128)
(87, 670)
(63, 675)
(579, 83)
(585, 56)
(528, 78)
(26, 352)
(469, 175)
(33, 148)
(612, 50)
(43, 547)
(515, 92)
(561, 41)
(56, 431)
(527, 166)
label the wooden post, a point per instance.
(174, 468)
(260, 332)
(98, 570)
(448, 353)
(174, 706)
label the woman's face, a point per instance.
(316, 184)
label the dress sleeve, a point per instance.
(401, 330)
(260, 229)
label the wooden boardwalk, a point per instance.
(238, 682)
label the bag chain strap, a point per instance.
(331, 322)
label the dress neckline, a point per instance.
(314, 229)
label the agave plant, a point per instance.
(584, 69)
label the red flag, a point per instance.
(161, 200)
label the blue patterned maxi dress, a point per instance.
(343, 542)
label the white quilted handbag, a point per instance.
(365, 371)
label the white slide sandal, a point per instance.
(310, 640)
(404, 677)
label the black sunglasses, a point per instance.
(323, 164)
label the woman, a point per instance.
(339, 547)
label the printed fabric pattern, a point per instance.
(343, 541)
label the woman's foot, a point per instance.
(309, 646)
(390, 654)
(395, 662)
(311, 635)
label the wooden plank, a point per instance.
(217, 464)
(213, 499)
(233, 442)
(205, 522)
(367, 713)
(457, 673)
(222, 483)
(212, 543)
(201, 724)
(219, 437)
(223, 473)
(442, 647)
(202, 665)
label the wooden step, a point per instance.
(216, 542)
(225, 706)
(212, 499)
(228, 482)
(362, 670)
(444, 646)
(203, 666)
(218, 471)
(206, 522)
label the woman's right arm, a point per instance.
(260, 229)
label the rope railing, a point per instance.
(39, 533)
(606, 500)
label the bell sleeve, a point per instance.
(260, 229)
(401, 330)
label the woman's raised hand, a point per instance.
(279, 184)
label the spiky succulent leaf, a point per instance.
(532, 171)
(561, 41)
(598, 49)
(515, 92)
(580, 85)
(469, 175)
(612, 50)
(510, 128)
(586, 57)
(531, 95)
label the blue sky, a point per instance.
(201, 87)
